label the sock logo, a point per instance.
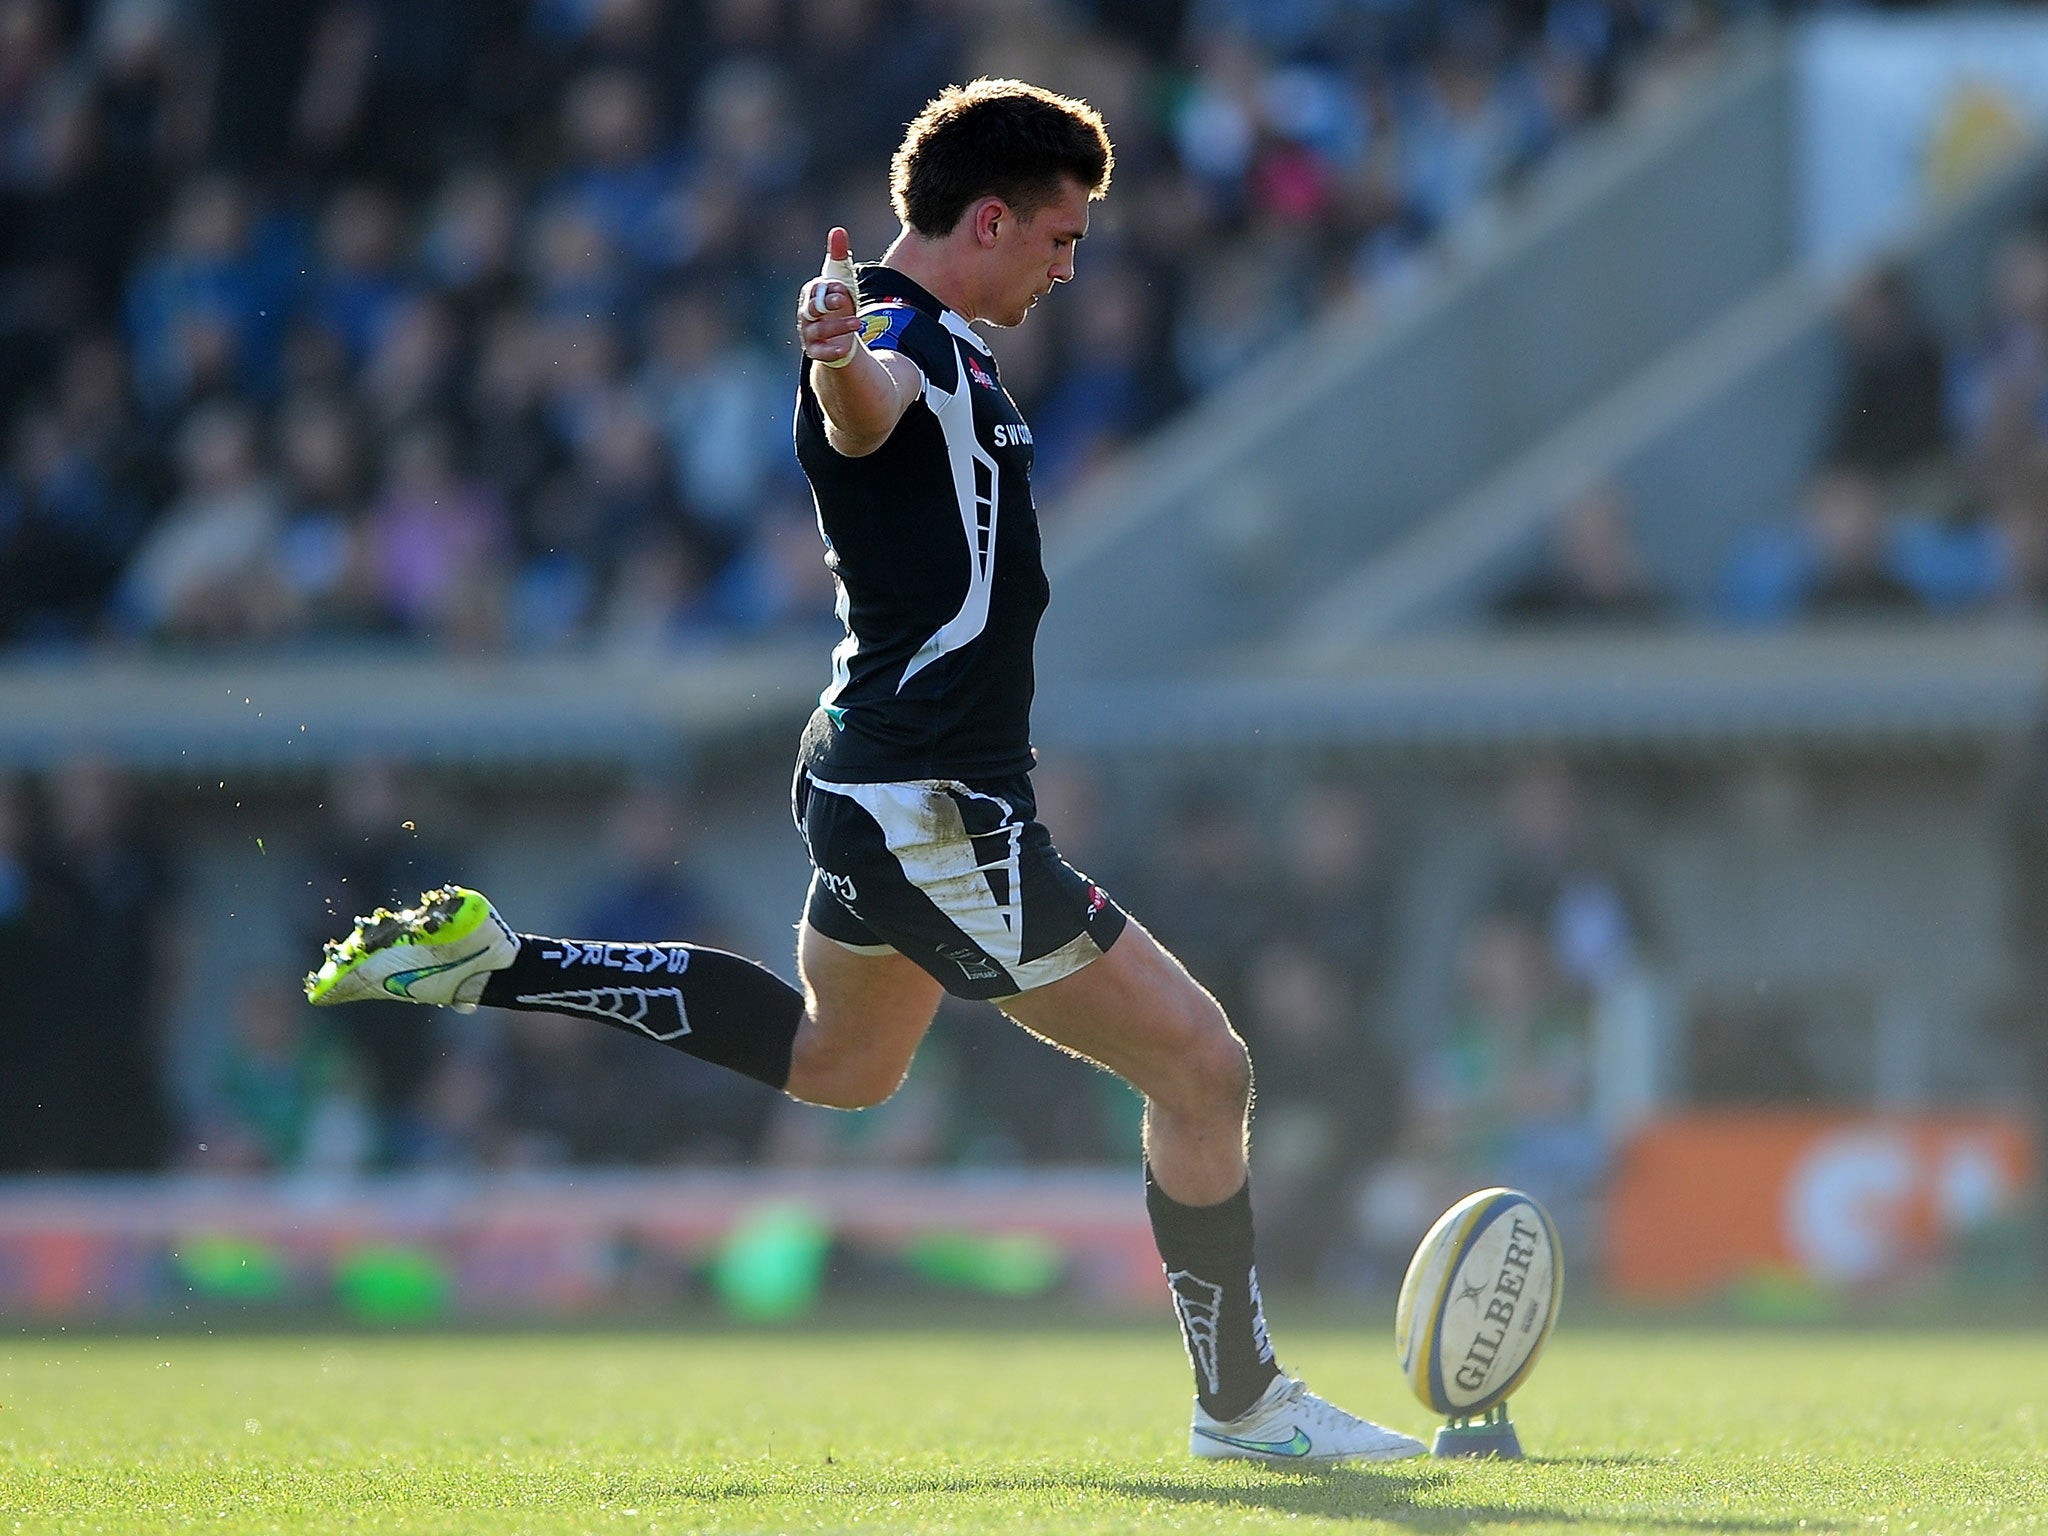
(1261, 1340)
(641, 1008)
(638, 958)
(1200, 1305)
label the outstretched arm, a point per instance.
(863, 394)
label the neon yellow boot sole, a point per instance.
(441, 951)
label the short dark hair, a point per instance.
(995, 138)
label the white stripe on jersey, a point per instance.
(970, 463)
(965, 332)
(849, 643)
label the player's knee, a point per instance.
(857, 1088)
(1226, 1069)
(1211, 1066)
(842, 1078)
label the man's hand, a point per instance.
(863, 394)
(828, 310)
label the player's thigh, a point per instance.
(1138, 1012)
(865, 1015)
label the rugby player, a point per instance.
(912, 787)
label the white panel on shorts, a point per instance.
(926, 835)
(921, 823)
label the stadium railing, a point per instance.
(538, 1245)
(253, 710)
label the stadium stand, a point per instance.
(396, 402)
(465, 324)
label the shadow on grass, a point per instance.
(1336, 1493)
(1346, 1493)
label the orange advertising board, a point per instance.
(1703, 1201)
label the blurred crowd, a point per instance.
(1929, 498)
(465, 322)
(1281, 898)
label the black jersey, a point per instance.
(933, 542)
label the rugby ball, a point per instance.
(1478, 1301)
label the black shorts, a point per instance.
(958, 877)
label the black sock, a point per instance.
(719, 1007)
(1207, 1250)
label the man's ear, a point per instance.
(989, 215)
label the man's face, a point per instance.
(1033, 252)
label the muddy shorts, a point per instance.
(958, 877)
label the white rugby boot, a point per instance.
(1289, 1425)
(441, 951)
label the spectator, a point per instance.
(780, 579)
(615, 503)
(89, 1034)
(1890, 416)
(566, 1096)
(2000, 386)
(1749, 1051)
(1197, 885)
(68, 520)
(285, 1096)
(323, 546)
(618, 179)
(203, 316)
(1328, 1102)
(574, 266)
(1503, 1095)
(1840, 559)
(433, 539)
(718, 397)
(1595, 573)
(1241, 305)
(1550, 880)
(205, 571)
(1332, 888)
(1101, 401)
(1982, 556)
(1853, 550)
(1464, 130)
(467, 251)
(660, 599)
(511, 440)
(361, 285)
(411, 372)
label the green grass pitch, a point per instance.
(1628, 1430)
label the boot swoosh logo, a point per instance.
(1297, 1445)
(400, 982)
